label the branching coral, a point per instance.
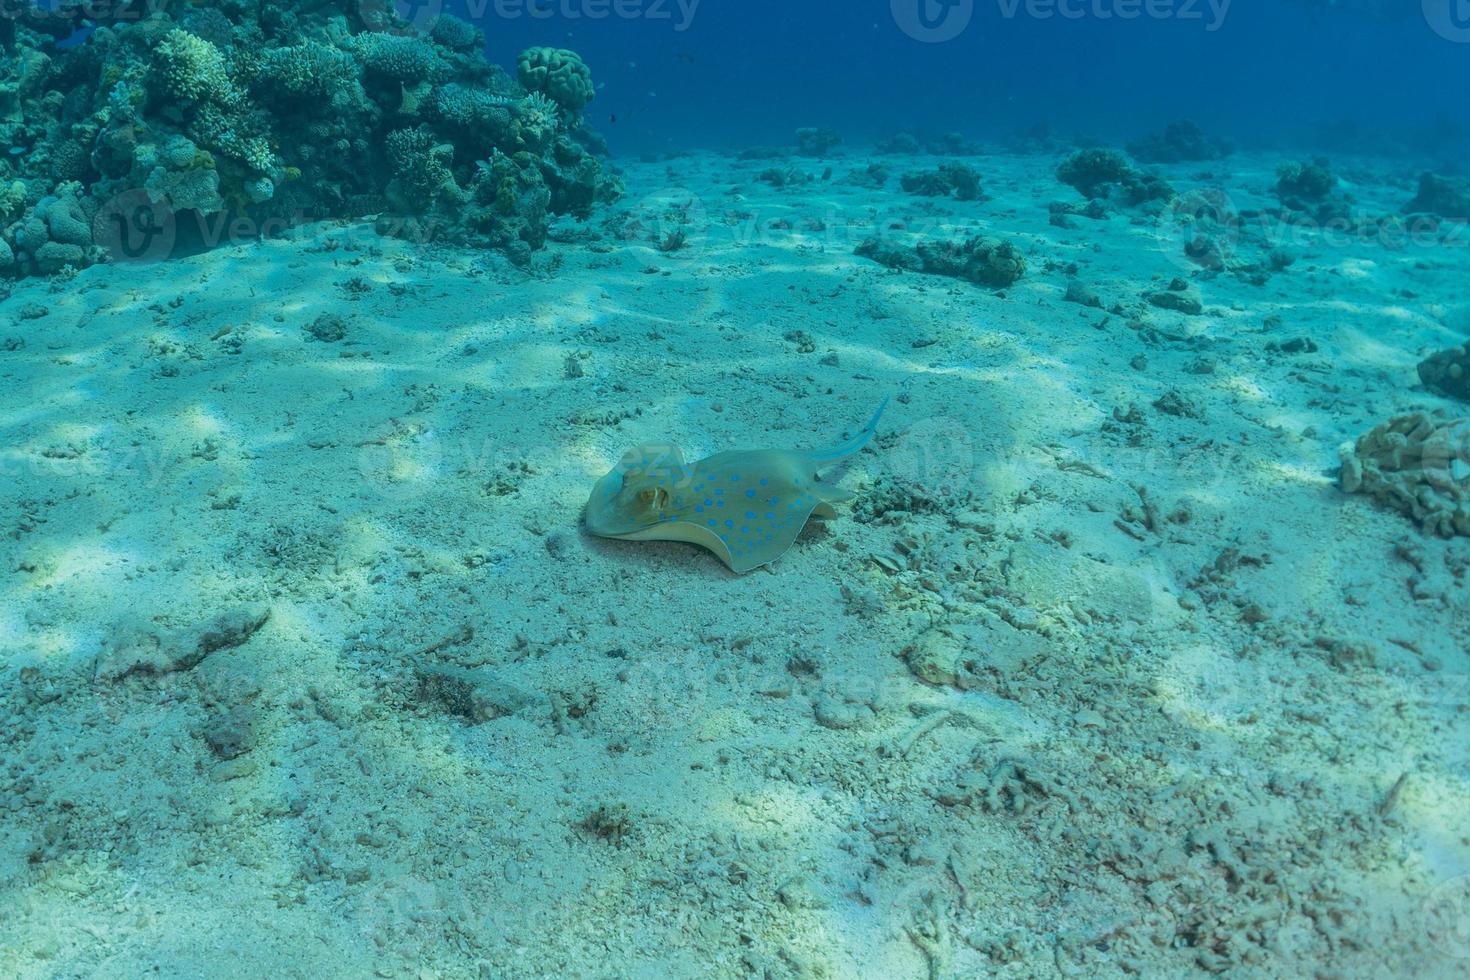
(192, 69)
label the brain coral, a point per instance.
(1419, 465)
(558, 74)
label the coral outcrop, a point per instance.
(951, 178)
(1100, 173)
(816, 141)
(1446, 197)
(1311, 189)
(275, 113)
(1419, 465)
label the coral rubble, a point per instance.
(1419, 465)
(277, 113)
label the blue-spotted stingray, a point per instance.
(746, 506)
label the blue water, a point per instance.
(1272, 73)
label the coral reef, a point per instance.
(273, 114)
(1447, 197)
(1180, 142)
(1419, 465)
(1101, 173)
(1448, 372)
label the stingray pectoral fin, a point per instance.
(688, 533)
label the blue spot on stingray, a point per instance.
(750, 515)
(708, 502)
(764, 482)
(734, 477)
(745, 530)
(711, 522)
(750, 493)
(725, 538)
(770, 516)
(699, 510)
(729, 523)
(719, 492)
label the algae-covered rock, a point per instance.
(952, 178)
(1448, 372)
(986, 261)
(1179, 297)
(1447, 197)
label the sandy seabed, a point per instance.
(307, 667)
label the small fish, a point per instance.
(746, 506)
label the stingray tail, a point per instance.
(854, 444)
